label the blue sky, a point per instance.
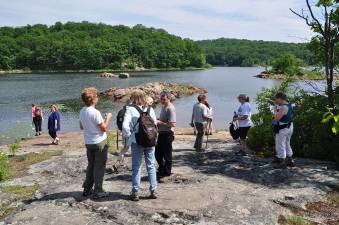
(195, 19)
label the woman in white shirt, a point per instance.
(244, 120)
(94, 128)
(129, 128)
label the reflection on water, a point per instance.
(223, 85)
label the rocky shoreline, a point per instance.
(153, 90)
(210, 188)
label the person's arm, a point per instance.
(282, 112)
(81, 126)
(126, 128)
(205, 113)
(192, 116)
(246, 112)
(104, 125)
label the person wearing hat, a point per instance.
(244, 120)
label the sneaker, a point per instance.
(280, 164)
(39, 133)
(134, 196)
(153, 195)
(57, 141)
(36, 134)
(275, 159)
(290, 162)
(101, 194)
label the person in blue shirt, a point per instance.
(54, 124)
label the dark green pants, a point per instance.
(97, 157)
(199, 136)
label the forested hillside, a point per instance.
(236, 52)
(75, 46)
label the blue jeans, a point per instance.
(137, 152)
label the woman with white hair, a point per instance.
(130, 129)
(244, 120)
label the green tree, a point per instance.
(287, 64)
(323, 19)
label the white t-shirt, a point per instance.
(199, 110)
(245, 110)
(90, 118)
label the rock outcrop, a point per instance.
(153, 90)
(109, 75)
(123, 75)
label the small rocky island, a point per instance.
(153, 90)
(113, 75)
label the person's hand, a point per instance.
(192, 124)
(235, 119)
(108, 115)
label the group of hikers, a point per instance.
(151, 137)
(53, 123)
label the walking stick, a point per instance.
(208, 128)
(117, 139)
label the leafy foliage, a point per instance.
(90, 46)
(235, 52)
(287, 64)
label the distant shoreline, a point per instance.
(6, 72)
(273, 76)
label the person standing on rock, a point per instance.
(244, 120)
(132, 127)
(54, 124)
(37, 118)
(209, 126)
(166, 124)
(199, 120)
(94, 128)
(283, 128)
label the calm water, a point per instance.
(223, 85)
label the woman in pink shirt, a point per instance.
(37, 119)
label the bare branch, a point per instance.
(302, 16)
(314, 86)
(314, 18)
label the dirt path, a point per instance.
(214, 187)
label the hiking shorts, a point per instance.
(243, 131)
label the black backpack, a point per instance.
(234, 131)
(120, 117)
(147, 134)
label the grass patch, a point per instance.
(17, 166)
(19, 193)
(294, 220)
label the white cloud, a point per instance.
(196, 19)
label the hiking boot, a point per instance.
(134, 197)
(241, 152)
(165, 179)
(86, 193)
(290, 162)
(279, 164)
(275, 159)
(101, 194)
(153, 195)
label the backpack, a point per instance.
(147, 134)
(120, 117)
(234, 131)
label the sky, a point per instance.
(196, 19)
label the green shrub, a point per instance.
(14, 147)
(3, 170)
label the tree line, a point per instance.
(91, 46)
(236, 52)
